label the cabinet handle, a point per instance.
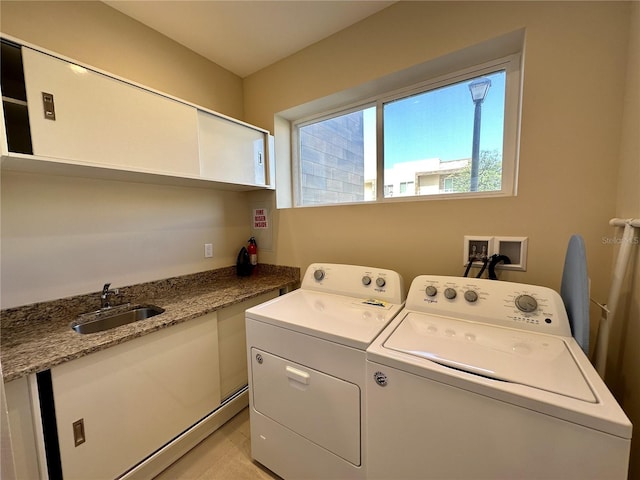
(49, 107)
(78, 432)
(298, 375)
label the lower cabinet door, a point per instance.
(232, 341)
(117, 406)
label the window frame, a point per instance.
(444, 182)
(296, 166)
(512, 66)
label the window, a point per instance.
(447, 185)
(406, 188)
(336, 163)
(431, 135)
(454, 135)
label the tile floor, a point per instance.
(224, 455)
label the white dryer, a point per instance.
(307, 370)
(482, 379)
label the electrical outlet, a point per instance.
(208, 250)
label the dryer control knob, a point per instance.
(381, 282)
(450, 293)
(471, 296)
(318, 275)
(366, 280)
(526, 303)
(431, 291)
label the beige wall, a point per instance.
(100, 36)
(575, 171)
(569, 143)
(576, 58)
(623, 369)
(64, 236)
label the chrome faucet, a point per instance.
(104, 298)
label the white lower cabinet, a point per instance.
(233, 344)
(133, 398)
(22, 430)
(116, 408)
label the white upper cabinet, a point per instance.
(61, 117)
(93, 118)
(231, 152)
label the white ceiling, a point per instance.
(245, 36)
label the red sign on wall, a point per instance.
(260, 218)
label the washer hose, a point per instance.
(485, 261)
(466, 272)
(496, 259)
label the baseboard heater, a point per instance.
(179, 446)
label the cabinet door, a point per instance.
(15, 136)
(231, 152)
(232, 339)
(21, 429)
(105, 121)
(135, 397)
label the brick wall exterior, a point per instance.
(332, 160)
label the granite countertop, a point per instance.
(37, 337)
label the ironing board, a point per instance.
(575, 291)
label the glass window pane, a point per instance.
(429, 139)
(338, 159)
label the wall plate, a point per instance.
(513, 247)
(478, 244)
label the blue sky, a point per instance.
(439, 123)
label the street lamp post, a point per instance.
(478, 89)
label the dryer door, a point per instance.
(317, 406)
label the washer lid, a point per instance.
(350, 321)
(516, 356)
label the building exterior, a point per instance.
(422, 177)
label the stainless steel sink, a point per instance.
(112, 317)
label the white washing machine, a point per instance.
(482, 379)
(307, 370)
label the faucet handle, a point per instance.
(104, 298)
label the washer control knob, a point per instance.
(450, 293)
(366, 280)
(431, 291)
(471, 296)
(526, 303)
(318, 275)
(381, 282)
